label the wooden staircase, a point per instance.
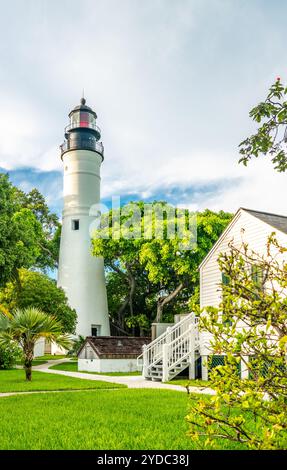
(172, 352)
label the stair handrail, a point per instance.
(178, 349)
(170, 329)
(153, 352)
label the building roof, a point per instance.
(279, 222)
(116, 346)
(274, 220)
(83, 107)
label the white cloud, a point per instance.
(172, 83)
(262, 189)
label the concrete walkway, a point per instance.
(131, 381)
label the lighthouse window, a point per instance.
(96, 330)
(75, 224)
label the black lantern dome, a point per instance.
(82, 133)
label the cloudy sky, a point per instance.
(172, 82)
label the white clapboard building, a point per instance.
(181, 345)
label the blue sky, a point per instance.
(172, 83)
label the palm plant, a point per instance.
(77, 343)
(25, 327)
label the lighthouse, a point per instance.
(80, 274)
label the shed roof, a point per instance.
(105, 346)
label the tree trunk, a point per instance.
(44, 248)
(130, 280)
(120, 312)
(165, 300)
(132, 283)
(28, 359)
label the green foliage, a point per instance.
(77, 343)
(9, 355)
(28, 232)
(249, 328)
(49, 238)
(144, 301)
(269, 140)
(34, 289)
(149, 273)
(19, 232)
(25, 327)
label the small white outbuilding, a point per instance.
(111, 353)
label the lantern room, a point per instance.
(82, 133)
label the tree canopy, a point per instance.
(29, 232)
(37, 290)
(152, 277)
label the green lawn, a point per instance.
(49, 357)
(14, 381)
(184, 381)
(119, 419)
(36, 362)
(73, 367)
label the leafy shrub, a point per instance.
(8, 356)
(76, 345)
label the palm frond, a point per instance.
(33, 324)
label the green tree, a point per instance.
(144, 302)
(19, 234)
(35, 289)
(49, 242)
(25, 327)
(157, 267)
(29, 233)
(174, 268)
(270, 138)
(249, 328)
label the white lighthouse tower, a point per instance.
(80, 274)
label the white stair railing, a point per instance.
(168, 344)
(181, 351)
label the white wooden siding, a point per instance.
(244, 228)
(87, 352)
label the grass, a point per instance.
(36, 362)
(184, 381)
(73, 367)
(50, 357)
(14, 381)
(119, 419)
